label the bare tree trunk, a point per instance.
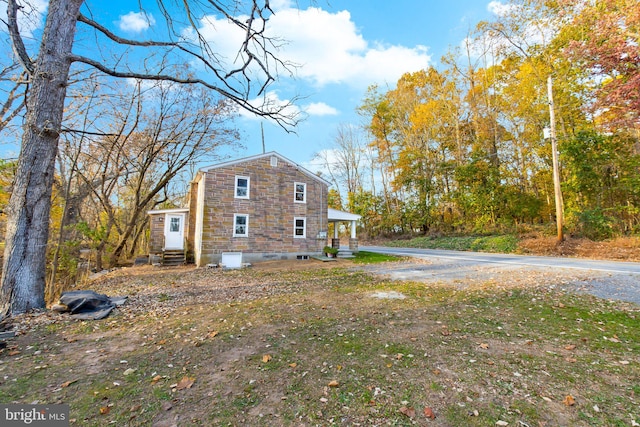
(23, 273)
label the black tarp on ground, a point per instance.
(89, 305)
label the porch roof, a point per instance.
(168, 211)
(336, 215)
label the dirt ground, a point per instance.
(299, 343)
(620, 249)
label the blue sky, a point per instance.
(359, 43)
(342, 46)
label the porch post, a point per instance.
(353, 241)
(335, 242)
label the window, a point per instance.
(299, 228)
(240, 225)
(300, 195)
(242, 187)
(174, 225)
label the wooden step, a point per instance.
(173, 257)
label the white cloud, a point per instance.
(277, 5)
(320, 109)
(500, 9)
(271, 102)
(30, 16)
(327, 47)
(136, 22)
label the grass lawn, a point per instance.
(323, 346)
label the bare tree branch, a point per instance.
(276, 112)
(16, 39)
(121, 40)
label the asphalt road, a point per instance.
(605, 279)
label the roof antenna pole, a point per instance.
(262, 130)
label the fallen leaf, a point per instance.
(571, 359)
(185, 382)
(156, 379)
(428, 412)
(104, 410)
(502, 423)
(334, 383)
(266, 358)
(212, 334)
(135, 408)
(570, 347)
(67, 383)
(409, 412)
(484, 345)
(129, 371)
(569, 400)
(14, 353)
(293, 365)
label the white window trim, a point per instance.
(235, 189)
(235, 216)
(304, 227)
(295, 188)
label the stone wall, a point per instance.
(271, 210)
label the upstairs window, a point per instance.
(299, 228)
(242, 187)
(240, 225)
(300, 189)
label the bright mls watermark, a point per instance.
(34, 415)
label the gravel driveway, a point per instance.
(432, 267)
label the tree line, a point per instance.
(109, 125)
(461, 147)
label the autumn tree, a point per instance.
(604, 38)
(48, 65)
(170, 127)
(379, 114)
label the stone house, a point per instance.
(262, 207)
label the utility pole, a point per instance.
(554, 156)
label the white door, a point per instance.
(174, 231)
